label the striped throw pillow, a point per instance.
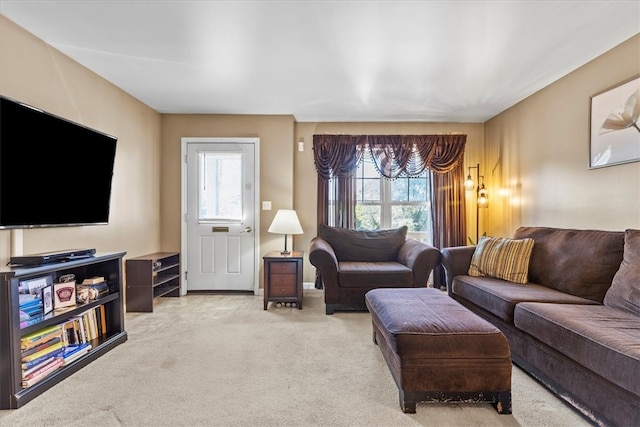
(502, 258)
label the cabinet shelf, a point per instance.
(152, 276)
(12, 394)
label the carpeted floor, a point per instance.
(221, 360)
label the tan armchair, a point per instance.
(352, 262)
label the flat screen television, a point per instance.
(53, 172)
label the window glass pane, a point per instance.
(415, 217)
(368, 169)
(418, 189)
(371, 190)
(220, 187)
(399, 190)
(368, 217)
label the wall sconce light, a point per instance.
(285, 222)
(482, 195)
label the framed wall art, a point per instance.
(614, 126)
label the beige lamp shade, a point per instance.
(285, 222)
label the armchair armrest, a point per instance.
(419, 257)
(323, 257)
(456, 261)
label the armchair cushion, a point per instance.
(371, 246)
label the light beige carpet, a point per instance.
(221, 360)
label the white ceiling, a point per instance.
(459, 61)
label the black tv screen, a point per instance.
(53, 172)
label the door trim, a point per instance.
(183, 203)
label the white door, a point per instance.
(220, 214)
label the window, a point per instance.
(383, 203)
(220, 186)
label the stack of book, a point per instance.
(31, 307)
(47, 349)
(41, 354)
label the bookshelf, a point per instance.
(151, 276)
(13, 328)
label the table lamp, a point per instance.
(285, 222)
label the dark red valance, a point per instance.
(393, 155)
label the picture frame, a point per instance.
(614, 126)
(47, 299)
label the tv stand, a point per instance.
(65, 255)
(13, 392)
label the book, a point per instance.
(93, 280)
(39, 337)
(48, 350)
(39, 365)
(31, 381)
(30, 364)
(31, 373)
(103, 320)
(73, 353)
(42, 346)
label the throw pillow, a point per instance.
(502, 258)
(625, 289)
(364, 245)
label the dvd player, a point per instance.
(51, 257)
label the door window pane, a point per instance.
(220, 187)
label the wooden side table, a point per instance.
(283, 278)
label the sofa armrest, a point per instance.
(456, 261)
(323, 257)
(419, 257)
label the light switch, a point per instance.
(266, 205)
(301, 146)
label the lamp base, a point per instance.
(285, 253)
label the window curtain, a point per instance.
(338, 156)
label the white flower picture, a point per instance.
(615, 129)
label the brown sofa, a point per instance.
(352, 262)
(575, 326)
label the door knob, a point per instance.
(248, 229)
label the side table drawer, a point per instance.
(282, 279)
(284, 267)
(283, 290)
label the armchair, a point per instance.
(352, 262)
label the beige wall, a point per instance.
(37, 74)
(537, 156)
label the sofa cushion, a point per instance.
(364, 245)
(625, 290)
(500, 297)
(578, 262)
(384, 274)
(502, 258)
(603, 339)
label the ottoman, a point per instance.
(439, 351)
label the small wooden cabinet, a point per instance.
(283, 278)
(151, 276)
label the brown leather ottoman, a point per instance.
(437, 350)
